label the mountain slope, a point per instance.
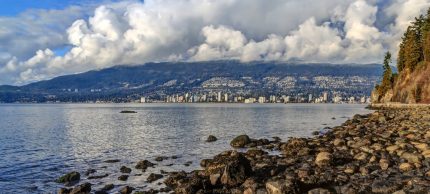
(166, 78)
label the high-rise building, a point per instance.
(142, 100)
(261, 99)
(310, 98)
(325, 97)
(225, 97)
(219, 97)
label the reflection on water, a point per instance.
(38, 143)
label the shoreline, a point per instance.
(382, 152)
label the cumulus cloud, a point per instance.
(132, 32)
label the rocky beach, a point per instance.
(386, 151)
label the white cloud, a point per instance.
(131, 32)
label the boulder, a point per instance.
(144, 164)
(112, 161)
(411, 157)
(384, 164)
(126, 190)
(384, 186)
(234, 168)
(214, 178)
(82, 189)
(323, 159)
(404, 167)
(319, 191)
(211, 138)
(240, 141)
(125, 169)
(69, 177)
(160, 158)
(276, 187)
(123, 177)
(153, 177)
(64, 191)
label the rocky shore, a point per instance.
(383, 152)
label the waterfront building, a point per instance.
(142, 100)
(219, 97)
(261, 99)
(325, 97)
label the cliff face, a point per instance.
(409, 87)
(411, 84)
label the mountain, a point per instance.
(160, 79)
(411, 84)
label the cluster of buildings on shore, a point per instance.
(220, 97)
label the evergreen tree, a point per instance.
(387, 80)
(412, 48)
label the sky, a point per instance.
(43, 39)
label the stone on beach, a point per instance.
(69, 177)
(144, 164)
(240, 141)
(211, 138)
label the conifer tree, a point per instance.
(387, 76)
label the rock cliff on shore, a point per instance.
(411, 82)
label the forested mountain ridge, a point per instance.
(411, 83)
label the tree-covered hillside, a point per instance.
(411, 84)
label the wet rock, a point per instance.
(205, 162)
(160, 158)
(123, 177)
(81, 189)
(125, 169)
(126, 190)
(105, 189)
(153, 177)
(276, 187)
(112, 161)
(234, 168)
(128, 111)
(108, 187)
(69, 177)
(384, 186)
(319, 191)
(98, 176)
(64, 191)
(211, 138)
(240, 141)
(144, 164)
(323, 159)
(278, 139)
(188, 163)
(90, 171)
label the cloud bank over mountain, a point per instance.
(132, 32)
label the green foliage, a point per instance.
(388, 78)
(415, 45)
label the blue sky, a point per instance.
(14, 7)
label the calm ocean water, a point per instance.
(40, 142)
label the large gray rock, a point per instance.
(240, 141)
